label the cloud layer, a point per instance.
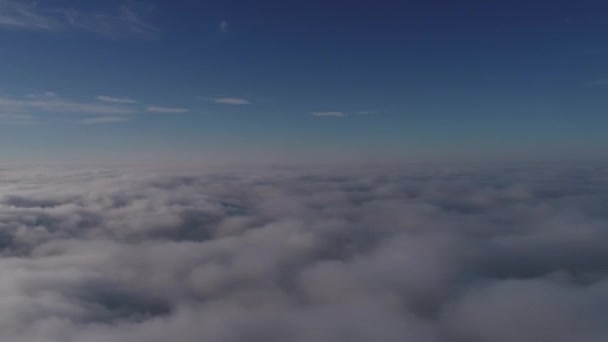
(418, 254)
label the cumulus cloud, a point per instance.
(405, 254)
(159, 109)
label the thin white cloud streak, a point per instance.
(42, 96)
(57, 105)
(114, 25)
(231, 101)
(17, 119)
(104, 120)
(22, 15)
(329, 114)
(111, 99)
(26, 15)
(159, 109)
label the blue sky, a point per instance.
(303, 81)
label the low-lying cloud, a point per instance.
(486, 254)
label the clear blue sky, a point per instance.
(313, 81)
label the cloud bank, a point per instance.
(491, 254)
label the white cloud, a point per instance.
(104, 120)
(50, 102)
(223, 26)
(42, 96)
(330, 114)
(111, 99)
(231, 101)
(29, 15)
(159, 109)
(410, 254)
(126, 21)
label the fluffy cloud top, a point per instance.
(497, 255)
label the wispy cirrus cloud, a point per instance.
(50, 102)
(330, 114)
(112, 99)
(17, 119)
(104, 120)
(228, 100)
(27, 15)
(159, 109)
(125, 21)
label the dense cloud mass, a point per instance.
(425, 254)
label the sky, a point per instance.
(303, 81)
